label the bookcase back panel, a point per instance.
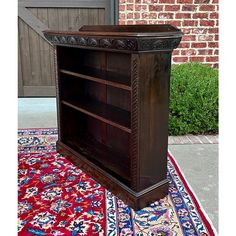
(74, 58)
(76, 88)
(95, 140)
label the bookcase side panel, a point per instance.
(153, 118)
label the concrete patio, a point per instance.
(198, 161)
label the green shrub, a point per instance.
(193, 99)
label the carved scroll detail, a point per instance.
(134, 150)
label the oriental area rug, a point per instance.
(57, 198)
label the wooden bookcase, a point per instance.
(112, 100)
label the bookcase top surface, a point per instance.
(123, 30)
(119, 37)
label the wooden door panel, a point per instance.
(36, 72)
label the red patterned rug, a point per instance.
(57, 198)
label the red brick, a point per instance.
(205, 37)
(182, 15)
(141, 22)
(149, 1)
(214, 15)
(172, 7)
(213, 31)
(145, 15)
(212, 59)
(137, 15)
(216, 37)
(198, 45)
(121, 22)
(205, 51)
(188, 8)
(201, 1)
(130, 16)
(196, 59)
(180, 59)
(140, 7)
(175, 23)
(152, 15)
(213, 44)
(184, 1)
(122, 8)
(165, 15)
(216, 52)
(207, 8)
(130, 22)
(186, 30)
(207, 23)
(122, 16)
(122, 1)
(199, 31)
(153, 21)
(130, 7)
(215, 1)
(176, 52)
(189, 38)
(155, 8)
(184, 45)
(200, 15)
(166, 1)
(190, 23)
(188, 52)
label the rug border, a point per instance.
(212, 231)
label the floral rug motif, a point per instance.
(57, 198)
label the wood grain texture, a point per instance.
(29, 16)
(154, 98)
(44, 48)
(101, 17)
(63, 18)
(39, 91)
(34, 55)
(136, 200)
(117, 136)
(53, 23)
(37, 55)
(25, 51)
(20, 76)
(64, 4)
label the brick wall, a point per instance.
(198, 20)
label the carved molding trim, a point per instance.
(158, 44)
(129, 44)
(57, 92)
(112, 43)
(134, 150)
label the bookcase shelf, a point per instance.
(103, 156)
(103, 112)
(101, 76)
(112, 105)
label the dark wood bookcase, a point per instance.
(112, 100)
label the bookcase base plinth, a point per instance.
(136, 200)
